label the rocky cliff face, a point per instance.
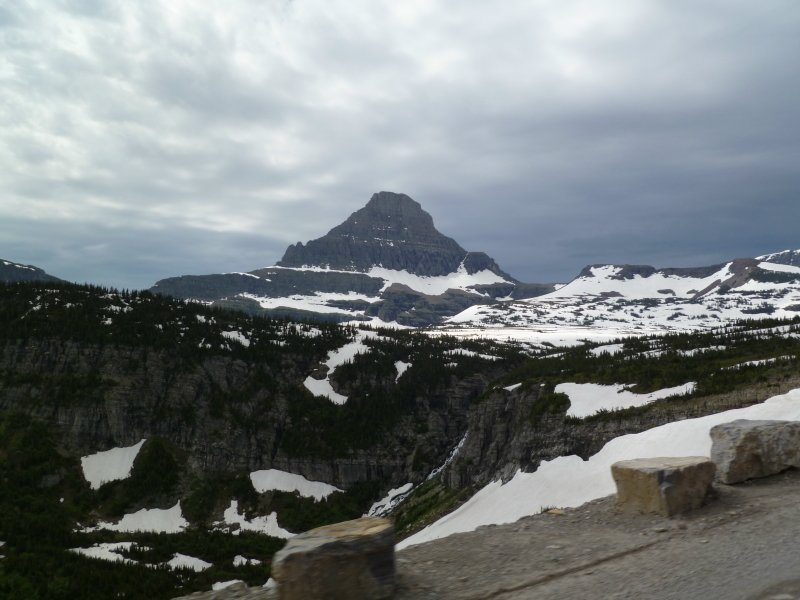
(230, 393)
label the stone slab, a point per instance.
(352, 560)
(664, 485)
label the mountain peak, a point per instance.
(391, 231)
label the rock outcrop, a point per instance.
(353, 560)
(666, 485)
(746, 449)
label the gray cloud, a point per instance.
(149, 139)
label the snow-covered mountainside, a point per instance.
(606, 301)
(11, 272)
(385, 263)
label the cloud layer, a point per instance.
(147, 139)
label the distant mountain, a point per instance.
(11, 272)
(387, 261)
(641, 299)
(786, 257)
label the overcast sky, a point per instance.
(146, 139)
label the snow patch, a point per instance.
(107, 551)
(267, 525)
(590, 398)
(182, 561)
(273, 479)
(151, 520)
(401, 367)
(394, 497)
(110, 465)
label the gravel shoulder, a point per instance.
(744, 544)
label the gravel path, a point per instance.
(743, 545)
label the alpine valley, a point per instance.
(155, 443)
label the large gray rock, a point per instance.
(353, 560)
(667, 486)
(747, 449)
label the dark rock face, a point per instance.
(138, 392)
(11, 272)
(391, 231)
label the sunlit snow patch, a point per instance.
(110, 465)
(586, 399)
(511, 388)
(569, 481)
(273, 479)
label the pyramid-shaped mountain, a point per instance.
(387, 261)
(394, 232)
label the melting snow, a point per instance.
(237, 336)
(110, 465)
(394, 497)
(511, 388)
(336, 358)
(182, 561)
(273, 479)
(221, 585)
(570, 481)
(610, 349)
(267, 525)
(240, 560)
(401, 367)
(107, 551)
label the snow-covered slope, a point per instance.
(571, 481)
(618, 300)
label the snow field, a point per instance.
(110, 551)
(155, 520)
(590, 398)
(570, 481)
(273, 479)
(110, 465)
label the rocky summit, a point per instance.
(386, 262)
(394, 232)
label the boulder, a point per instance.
(747, 449)
(353, 560)
(664, 485)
